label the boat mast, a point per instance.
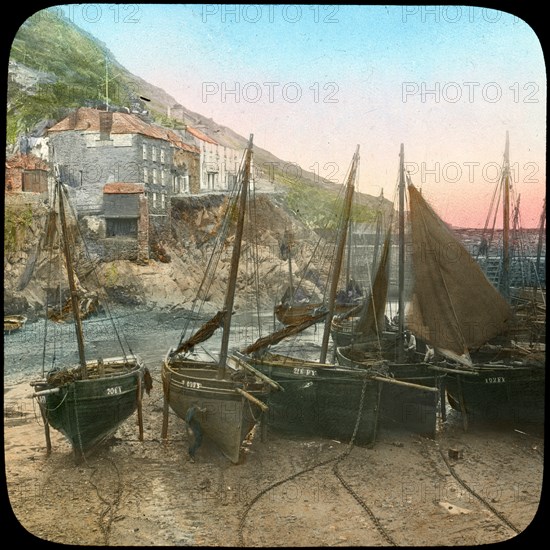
(348, 256)
(505, 281)
(541, 234)
(377, 240)
(72, 286)
(339, 254)
(230, 297)
(401, 306)
(288, 239)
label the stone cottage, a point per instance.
(219, 164)
(117, 162)
(26, 174)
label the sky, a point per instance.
(312, 82)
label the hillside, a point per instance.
(56, 67)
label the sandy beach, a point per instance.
(470, 487)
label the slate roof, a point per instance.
(123, 188)
(86, 119)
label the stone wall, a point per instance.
(119, 248)
(87, 169)
(192, 162)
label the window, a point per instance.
(155, 180)
(154, 154)
(163, 200)
(211, 182)
(154, 200)
(144, 149)
(163, 176)
(186, 183)
(121, 227)
(121, 212)
(35, 181)
(145, 174)
(162, 156)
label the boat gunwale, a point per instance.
(175, 376)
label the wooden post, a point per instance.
(46, 431)
(442, 398)
(139, 408)
(166, 392)
(402, 383)
(462, 406)
(263, 427)
(252, 399)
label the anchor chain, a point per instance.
(479, 497)
(337, 460)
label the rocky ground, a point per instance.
(406, 490)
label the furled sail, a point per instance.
(290, 330)
(371, 320)
(203, 334)
(453, 306)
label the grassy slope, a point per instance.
(70, 67)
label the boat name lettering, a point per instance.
(304, 372)
(114, 391)
(191, 384)
(495, 380)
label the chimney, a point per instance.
(105, 124)
(73, 119)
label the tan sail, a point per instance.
(371, 320)
(453, 306)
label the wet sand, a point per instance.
(405, 490)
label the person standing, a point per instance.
(194, 430)
(410, 345)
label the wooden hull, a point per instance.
(402, 407)
(322, 400)
(88, 412)
(300, 313)
(344, 333)
(495, 393)
(13, 322)
(229, 418)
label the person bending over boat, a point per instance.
(194, 430)
(430, 354)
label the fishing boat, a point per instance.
(227, 393)
(297, 304)
(358, 325)
(14, 322)
(414, 401)
(321, 398)
(491, 375)
(293, 311)
(87, 401)
(528, 298)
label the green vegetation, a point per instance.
(111, 275)
(317, 206)
(65, 69)
(16, 222)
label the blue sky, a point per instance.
(311, 82)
